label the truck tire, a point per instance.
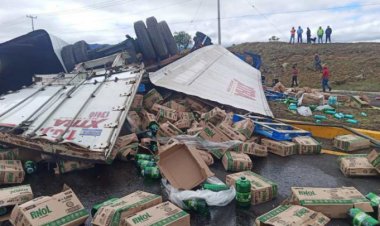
(68, 57)
(156, 38)
(143, 40)
(168, 38)
(80, 51)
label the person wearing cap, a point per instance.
(325, 78)
(292, 35)
(328, 34)
(320, 34)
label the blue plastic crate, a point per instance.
(273, 95)
(279, 131)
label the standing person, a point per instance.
(325, 78)
(317, 63)
(328, 34)
(295, 75)
(320, 35)
(308, 35)
(292, 35)
(299, 34)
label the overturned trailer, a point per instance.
(78, 115)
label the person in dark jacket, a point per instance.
(295, 75)
(308, 35)
(328, 32)
(317, 63)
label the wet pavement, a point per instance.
(121, 178)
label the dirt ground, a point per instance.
(353, 66)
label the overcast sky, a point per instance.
(102, 21)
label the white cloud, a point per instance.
(103, 21)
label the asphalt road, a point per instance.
(121, 178)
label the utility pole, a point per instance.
(219, 30)
(32, 18)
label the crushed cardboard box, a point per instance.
(262, 189)
(116, 212)
(151, 98)
(311, 99)
(231, 133)
(168, 129)
(164, 214)
(11, 172)
(245, 126)
(60, 209)
(65, 166)
(374, 159)
(12, 196)
(307, 145)
(332, 202)
(351, 142)
(281, 148)
(252, 148)
(147, 118)
(292, 215)
(212, 133)
(130, 149)
(357, 165)
(233, 161)
(182, 167)
(215, 116)
(206, 156)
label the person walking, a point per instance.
(320, 35)
(317, 63)
(292, 35)
(328, 34)
(308, 35)
(295, 75)
(325, 78)
(299, 34)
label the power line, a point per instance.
(32, 18)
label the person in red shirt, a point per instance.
(295, 75)
(292, 35)
(325, 78)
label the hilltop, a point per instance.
(353, 66)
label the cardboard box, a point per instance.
(233, 161)
(245, 127)
(332, 202)
(228, 120)
(151, 98)
(374, 159)
(134, 121)
(213, 133)
(262, 189)
(176, 106)
(12, 196)
(65, 166)
(7, 154)
(186, 115)
(130, 149)
(147, 118)
(252, 148)
(194, 104)
(182, 167)
(311, 99)
(167, 129)
(231, 133)
(206, 156)
(164, 115)
(307, 145)
(11, 172)
(116, 212)
(125, 140)
(292, 215)
(157, 107)
(137, 104)
(183, 124)
(351, 142)
(194, 130)
(282, 148)
(61, 209)
(164, 214)
(357, 165)
(215, 116)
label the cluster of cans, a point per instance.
(148, 166)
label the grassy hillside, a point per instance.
(353, 66)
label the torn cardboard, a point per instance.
(292, 215)
(281, 148)
(151, 98)
(351, 142)
(233, 161)
(332, 202)
(307, 145)
(116, 212)
(65, 166)
(262, 189)
(212, 133)
(206, 156)
(11, 172)
(61, 209)
(357, 165)
(164, 214)
(182, 167)
(374, 159)
(12, 196)
(245, 126)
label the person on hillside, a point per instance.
(299, 34)
(328, 34)
(308, 35)
(325, 78)
(320, 35)
(317, 63)
(292, 35)
(295, 75)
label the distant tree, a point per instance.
(274, 39)
(182, 39)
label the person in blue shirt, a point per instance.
(299, 34)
